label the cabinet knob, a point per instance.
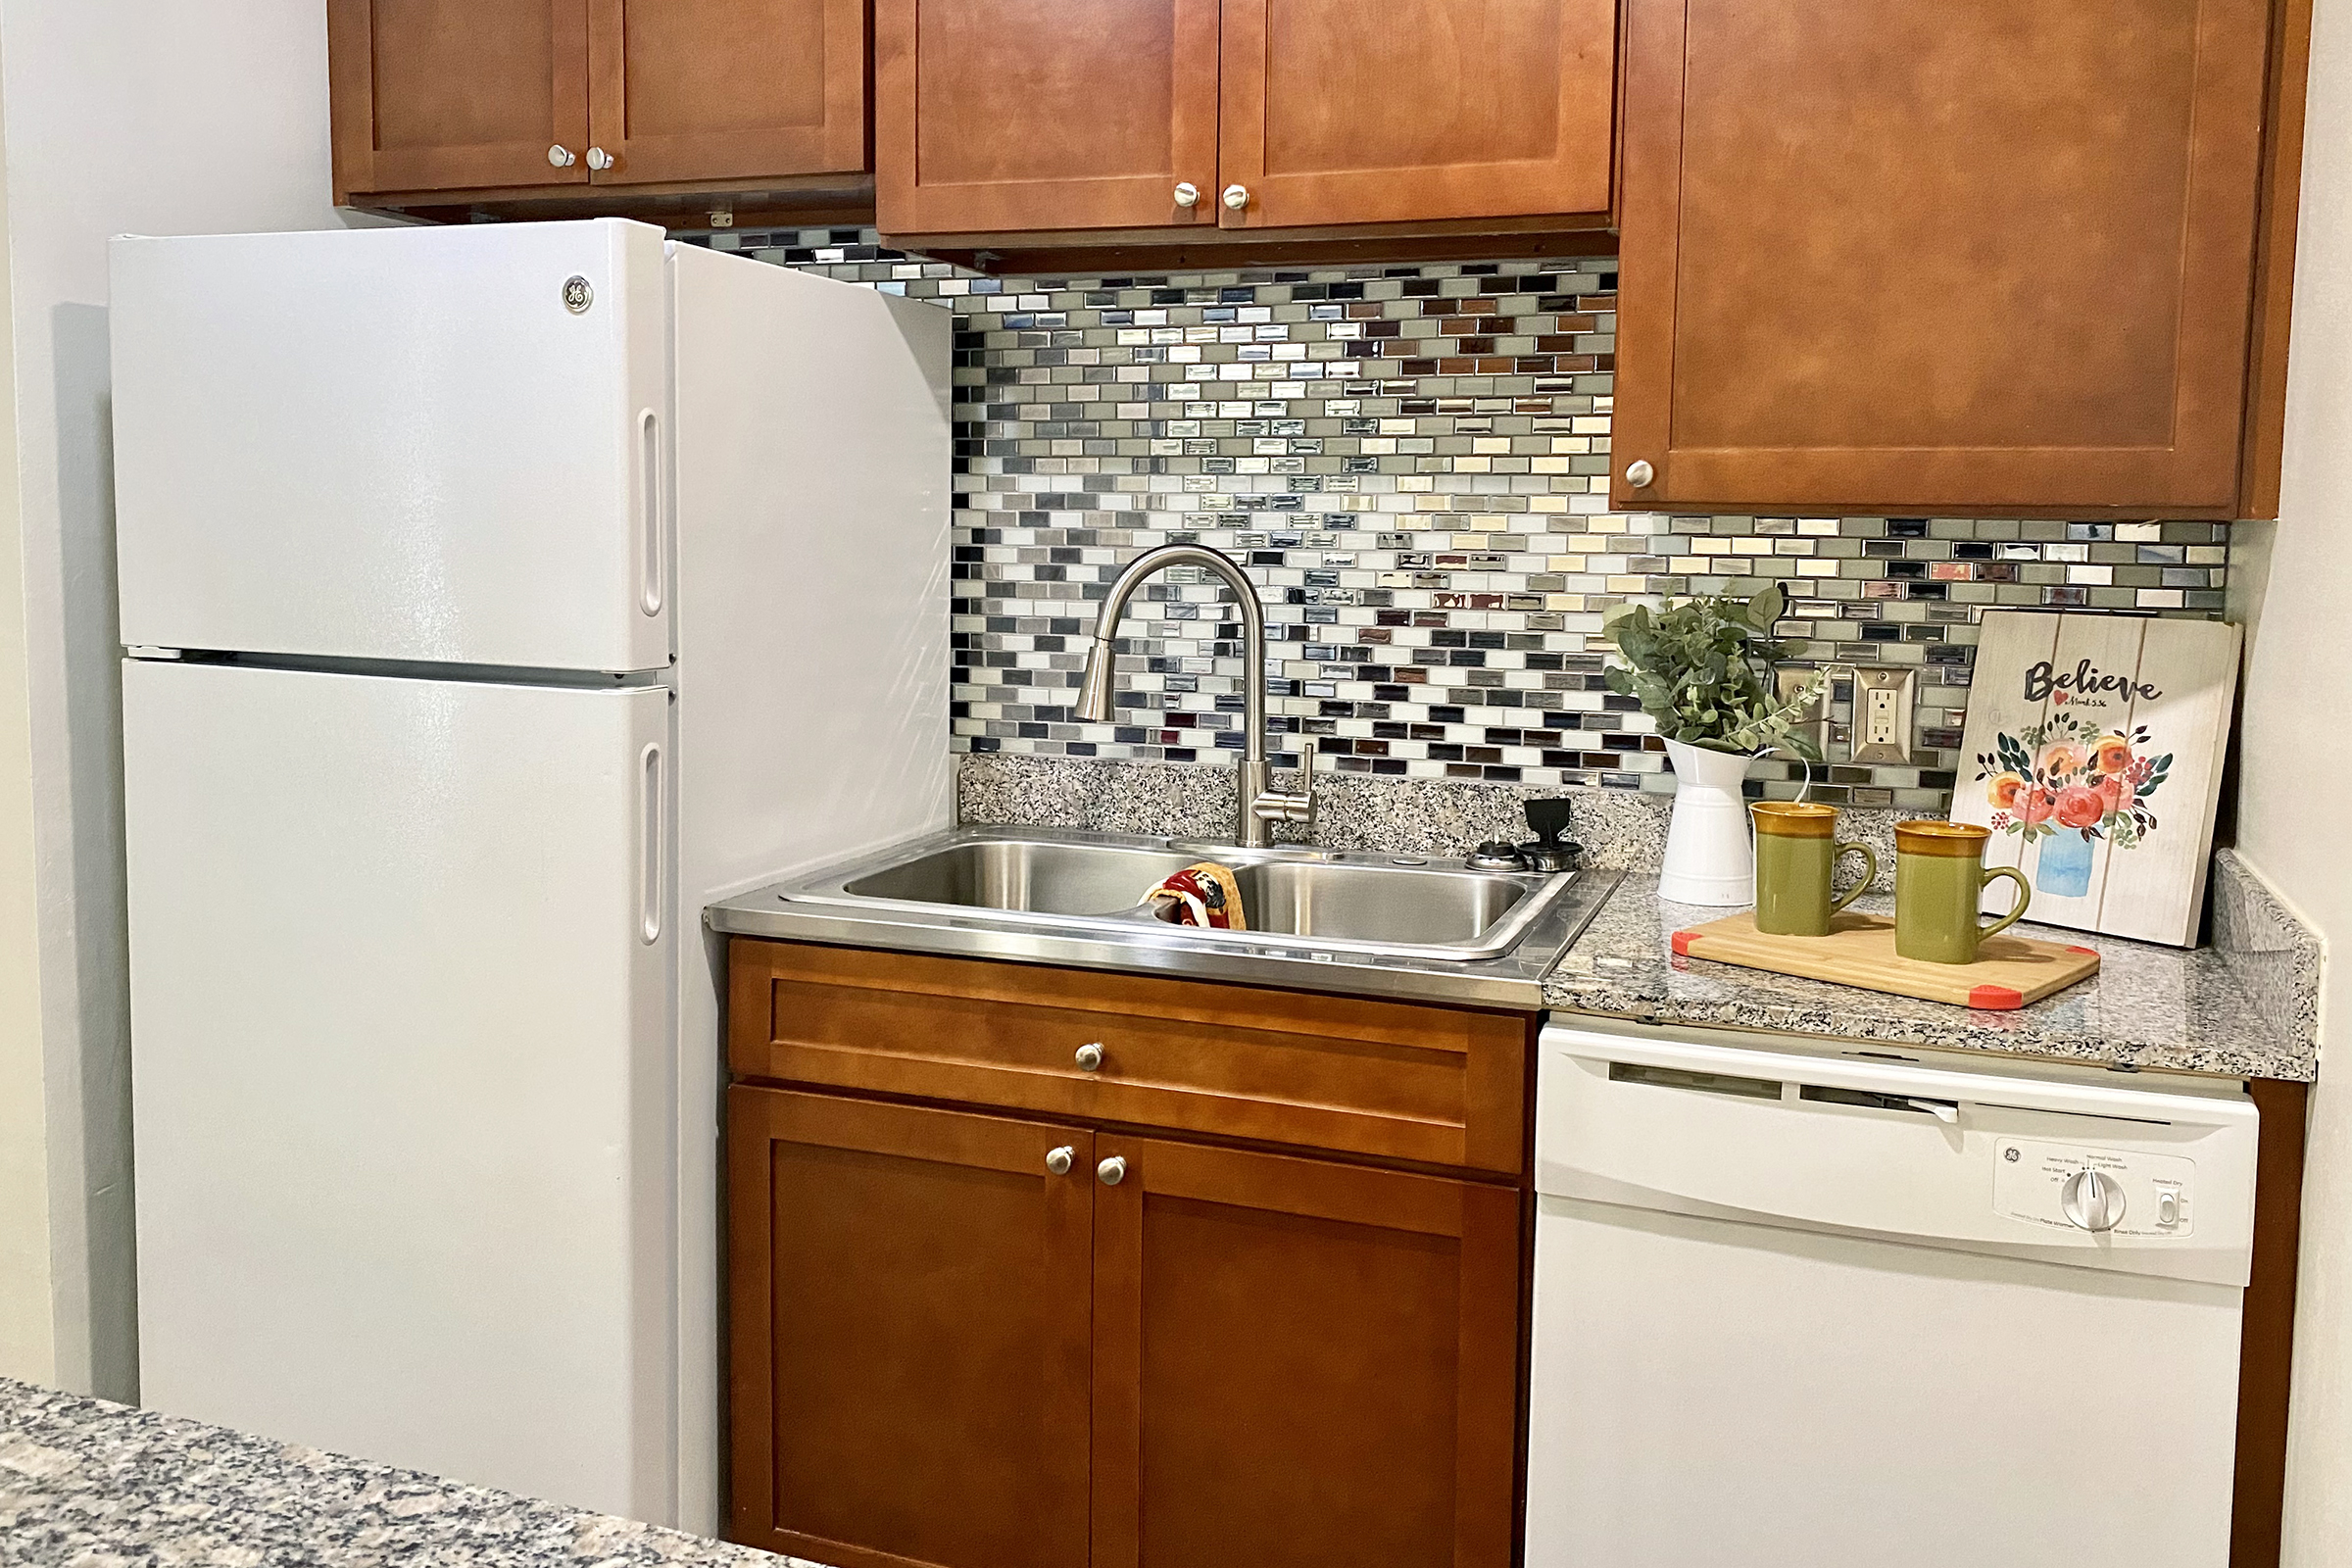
(560, 156)
(1061, 1159)
(1090, 1058)
(1112, 1171)
(1638, 473)
(599, 159)
(1187, 194)
(1237, 197)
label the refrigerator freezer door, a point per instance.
(402, 1070)
(436, 445)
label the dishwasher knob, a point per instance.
(2092, 1199)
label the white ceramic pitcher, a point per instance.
(1710, 857)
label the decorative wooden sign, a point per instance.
(2093, 750)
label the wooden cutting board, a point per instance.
(2010, 971)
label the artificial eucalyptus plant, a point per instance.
(1699, 669)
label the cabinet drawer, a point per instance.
(1442, 1086)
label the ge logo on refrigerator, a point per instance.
(577, 295)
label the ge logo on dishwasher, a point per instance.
(2010, 1153)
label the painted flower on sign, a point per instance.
(2079, 806)
(2059, 760)
(2064, 776)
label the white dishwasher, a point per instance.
(1880, 1309)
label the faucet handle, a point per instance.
(1278, 806)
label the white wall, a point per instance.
(2296, 760)
(164, 117)
(28, 1332)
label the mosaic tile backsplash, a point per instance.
(1412, 463)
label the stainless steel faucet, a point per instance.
(1260, 804)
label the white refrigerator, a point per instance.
(492, 598)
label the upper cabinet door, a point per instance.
(1029, 115)
(727, 89)
(1420, 110)
(458, 94)
(1910, 254)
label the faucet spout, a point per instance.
(1260, 804)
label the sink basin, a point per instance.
(1329, 902)
(1388, 905)
(1026, 874)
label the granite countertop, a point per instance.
(2245, 1005)
(86, 1484)
(2205, 1009)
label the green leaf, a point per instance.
(1765, 608)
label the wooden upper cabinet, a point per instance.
(1907, 255)
(457, 94)
(909, 1305)
(1416, 110)
(1024, 116)
(1300, 1363)
(690, 91)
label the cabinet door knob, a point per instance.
(560, 156)
(1187, 194)
(599, 159)
(1090, 1058)
(1112, 1171)
(1638, 473)
(1237, 197)
(1061, 1159)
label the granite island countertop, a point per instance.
(2241, 1006)
(86, 1484)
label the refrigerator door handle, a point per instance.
(650, 857)
(648, 512)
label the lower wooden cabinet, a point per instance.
(954, 1345)
(1298, 1362)
(912, 1299)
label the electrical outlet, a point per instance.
(1814, 722)
(1885, 697)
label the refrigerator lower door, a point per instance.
(402, 1074)
(434, 445)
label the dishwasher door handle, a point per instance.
(1943, 1110)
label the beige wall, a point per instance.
(27, 1338)
(2295, 803)
(117, 118)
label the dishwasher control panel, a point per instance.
(2083, 1188)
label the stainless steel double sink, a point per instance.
(1388, 904)
(1356, 920)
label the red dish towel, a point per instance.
(1204, 894)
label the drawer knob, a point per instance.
(1112, 1171)
(1061, 1159)
(1090, 1058)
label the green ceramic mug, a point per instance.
(1797, 850)
(1940, 877)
